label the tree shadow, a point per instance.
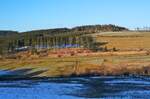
(19, 74)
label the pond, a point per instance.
(77, 88)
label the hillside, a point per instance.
(84, 28)
(10, 40)
(8, 33)
(131, 57)
(125, 40)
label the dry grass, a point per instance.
(125, 40)
(106, 63)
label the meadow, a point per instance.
(125, 40)
(122, 62)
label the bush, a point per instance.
(114, 49)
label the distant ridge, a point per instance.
(8, 33)
(84, 28)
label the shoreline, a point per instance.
(69, 77)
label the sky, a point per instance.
(25, 15)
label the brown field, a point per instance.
(122, 62)
(125, 40)
(89, 65)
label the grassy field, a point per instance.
(104, 65)
(99, 64)
(125, 40)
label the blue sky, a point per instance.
(23, 15)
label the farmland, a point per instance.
(132, 57)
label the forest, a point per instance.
(13, 41)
